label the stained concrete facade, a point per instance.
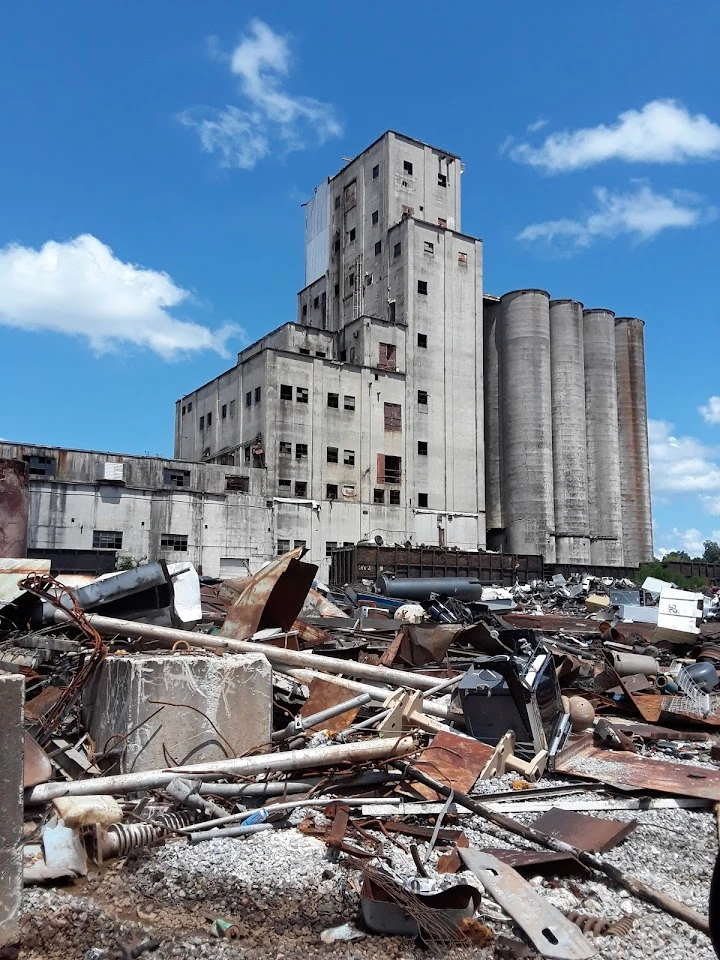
(12, 702)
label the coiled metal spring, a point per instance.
(599, 926)
(124, 837)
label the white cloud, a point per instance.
(711, 410)
(681, 464)
(641, 214)
(536, 125)
(663, 131)
(243, 135)
(711, 504)
(81, 288)
(692, 541)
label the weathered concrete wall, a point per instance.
(214, 707)
(14, 499)
(12, 701)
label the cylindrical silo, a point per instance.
(493, 424)
(14, 508)
(569, 439)
(603, 444)
(633, 432)
(527, 460)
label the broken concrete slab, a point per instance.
(154, 710)
(12, 747)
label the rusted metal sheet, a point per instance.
(422, 644)
(13, 572)
(324, 694)
(37, 708)
(273, 597)
(36, 765)
(310, 634)
(14, 501)
(627, 771)
(590, 834)
(456, 761)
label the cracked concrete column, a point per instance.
(12, 701)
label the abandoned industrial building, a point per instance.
(403, 403)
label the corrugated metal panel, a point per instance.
(317, 234)
(12, 572)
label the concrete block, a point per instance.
(213, 708)
(12, 700)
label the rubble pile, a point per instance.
(232, 768)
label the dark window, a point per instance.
(202, 423)
(378, 496)
(299, 543)
(376, 171)
(316, 303)
(422, 340)
(334, 400)
(332, 454)
(393, 469)
(301, 394)
(352, 235)
(391, 311)
(407, 167)
(248, 398)
(349, 402)
(232, 408)
(422, 448)
(176, 478)
(422, 287)
(42, 466)
(378, 247)
(375, 217)
(337, 289)
(305, 351)
(429, 246)
(223, 411)
(394, 498)
(422, 398)
(337, 202)
(285, 391)
(285, 448)
(190, 407)
(227, 460)
(300, 488)
(284, 486)
(330, 545)
(387, 356)
(183, 410)
(175, 542)
(246, 455)
(301, 451)
(239, 484)
(331, 491)
(442, 223)
(320, 353)
(336, 245)
(107, 539)
(393, 416)
(442, 180)
(351, 280)
(209, 419)
(283, 546)
(422, 500)
(304, 310)
(397, 249)
(258, 394)
(349, 458)
(343, 356)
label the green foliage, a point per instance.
(676, 556)
(712, 552)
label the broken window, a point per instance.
(202, 423)
(330, 545)
(393, 416)
(378, 496)
(282, 547)
(248, 398)
(351, 235)
(407, 211)
(175, 542)
(304, 310)
(422, 340)
(176, 478)
(190, 407)
(442, 223)
(422, 448)
(375, 217)
(301, 451)
(297, 544)
(232, 408)
(301, 394)
(389, 469)
(394, 498)
(349, 402)
(387, 356)
(334, 400)
(429, 246)
(350, 195)
(238, 484)
(378, 247)
(462, 258)
(107, 539)
(422, 400)
(397, 249)
(227, 460)
(43, 466)
(331, 491)
(422, 287)
(349, 458)
(223, 411)
(376, 171)
(285, 448)
(300, 488)
(316, 303)
(442, 180)
(285, 391)
(422, 500)
(348, 491)
(284, 487)
(407, 167)
(332, 454)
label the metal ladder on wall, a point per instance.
(358, 289)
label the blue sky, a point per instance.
(155, 156)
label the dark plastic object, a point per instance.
(705, 676)
(420, 588)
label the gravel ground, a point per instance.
(282, 889)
